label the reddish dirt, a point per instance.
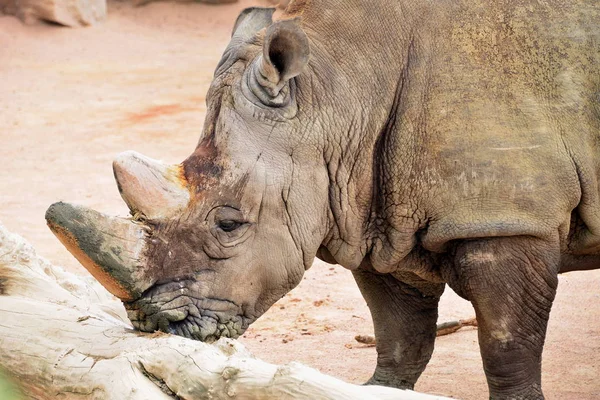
(71, 99)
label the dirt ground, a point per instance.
(71, 99)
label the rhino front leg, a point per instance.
(405, 327)
(511, 283)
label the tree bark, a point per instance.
(73, 13)
(63, 336)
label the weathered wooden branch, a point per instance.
(62, 334)
(443, 329)
(449, 327)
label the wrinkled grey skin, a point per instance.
(212, 282)
(415, 143)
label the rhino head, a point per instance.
(218, 239)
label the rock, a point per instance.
(72, 13)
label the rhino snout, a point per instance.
(177, 311)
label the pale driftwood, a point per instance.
(63, 336)
(73, 13)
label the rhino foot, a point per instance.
(390, 381)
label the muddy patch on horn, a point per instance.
(111, 249)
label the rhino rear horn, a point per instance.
(150, 187)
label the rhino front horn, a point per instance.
(111, 249)
(150, 187)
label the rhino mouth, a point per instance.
(172, 308)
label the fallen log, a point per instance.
(73, 13)
(63, 336)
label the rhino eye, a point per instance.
(229, 225)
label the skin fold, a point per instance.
(416, 143)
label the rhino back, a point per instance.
(499, 122)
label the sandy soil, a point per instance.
(72, 99)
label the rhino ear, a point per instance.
(250, 21)
(285, 55)
(248, 24)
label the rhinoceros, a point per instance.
(416, 143)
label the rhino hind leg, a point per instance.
(405, 326)
(572, 262)
(511, 283)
